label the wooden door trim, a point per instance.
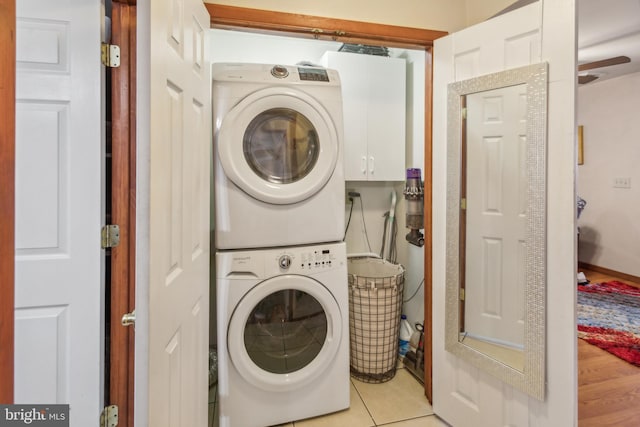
(254, 20)
(7, 196)
(319, 27)
(428, 215)
(123, 182)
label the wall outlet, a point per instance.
(350, 194)
(622, 182)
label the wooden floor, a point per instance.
(608, 387)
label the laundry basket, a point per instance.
(375, 305)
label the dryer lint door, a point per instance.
(278, 145)
(284, 333)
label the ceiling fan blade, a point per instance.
(604, 63)
(587, 78)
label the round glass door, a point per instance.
(284, 332)
(281, 145)
(278, 145)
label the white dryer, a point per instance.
(283, 334)
(278, 172)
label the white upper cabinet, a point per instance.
(373, 95)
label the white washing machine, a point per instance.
(279, 178)
(283, 334)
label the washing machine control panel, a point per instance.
(270, 262)
(316, 259)
(307, 260)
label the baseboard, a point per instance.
(608, 271)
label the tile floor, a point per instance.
(397, 403)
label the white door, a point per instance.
(174, 157)
(59, 193)
(462, 394)
(496, 215)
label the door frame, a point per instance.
(313, 27)
(7, 196)
(123, 210)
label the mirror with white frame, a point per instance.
(496, 224)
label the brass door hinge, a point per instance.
(461, 294)
(110, 236)
(109, 416)
(110, 55)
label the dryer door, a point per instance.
(284, 333)
(278, 145)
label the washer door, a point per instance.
(278, 145)
(284, 333)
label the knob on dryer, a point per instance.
(279, 71)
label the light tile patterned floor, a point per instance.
(397, 403)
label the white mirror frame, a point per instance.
(531, 379)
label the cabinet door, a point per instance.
(355, 85)
(386, 114)
(373, 98)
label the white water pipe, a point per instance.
(386, 254)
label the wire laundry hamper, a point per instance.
(375, 305)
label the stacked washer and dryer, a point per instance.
(281, 267)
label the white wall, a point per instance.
(610, 223)
(238, 46)
(376, 199)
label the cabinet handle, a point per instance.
(363, 165)
(372, 164)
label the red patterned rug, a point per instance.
(609, 317)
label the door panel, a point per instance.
(464, 395)
(172, 283)
(495, 218)
(59, 211)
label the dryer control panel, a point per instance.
(313, 74)
(244, 74)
